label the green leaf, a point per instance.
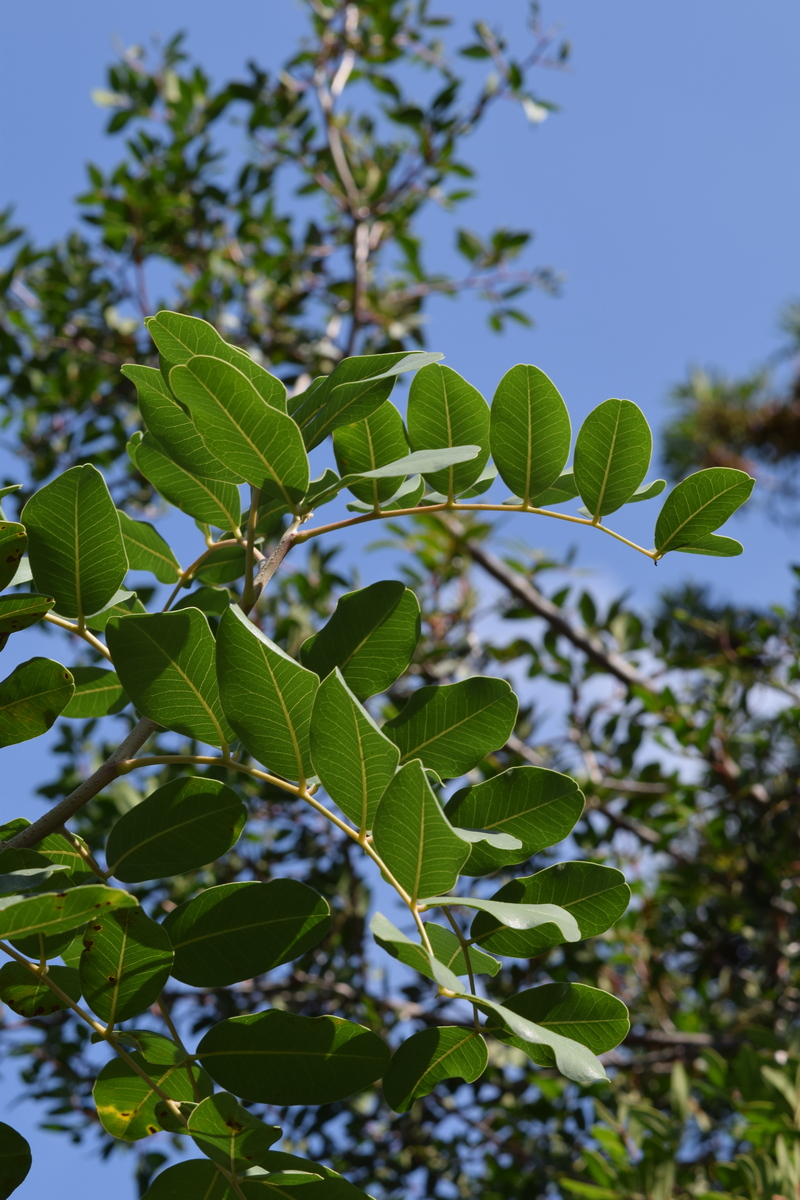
(74, 541)
(180, 827)
(354, 390)
(445, 410)
(408, 495)
(538, 806)
(286, 1176)
(371, 638)
(210, 600)
(58, 912)
(239, 930)
(230, 1135)
(572, 1058)
(585, 1014)
(377, 440)
(412, 954)
(22, 870)
(267, 696)
(647, 491)
(153, 1046)
(165, 662)
(121, 605)
(126, 1103)
(27, 994)
(448, 950)
(426, 1058)
(714, 546)
(223, 565)
(352, 758)
(516, 916)
(276, 1057)
(197, 1179)
(595, 895)
(98, 693)
(13, 543)
(562, 490)
(31, 698)
(15, 1160)
(612, 454)
(171, 429)
(68, 857)
(413, 836)
(258, 442)
(530, 431)
(23, 609)
(212, 501)
(180, 338)
(147, 550)
(452, 727)
(125, 963)
(699, 505)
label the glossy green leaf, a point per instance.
(572, 1059)
(179, 827)
(445, 410)
(126, 1103)
(355, 389)
(179, 338)
(536, 805)
(530, 431)
(595, 895)
(257, 441)
(13, 543)
(699, 505)
(278, 1058)
(20, 610)
(377, 440)
(239, 930)
(352, 758)
(165, 662)
(371, 638)
(212, 501)
(267, 696)
(28, 995)
(516, 916)
(414, 837)
(449, 951)
(31, 698)
(585, 1014)
(230, 1135)
(714, 546)
(612, 454)
(452, 727)
(125, 963)
(147, 550)
(15, 1160)
(171, 428)
(58, 912)
(98, 693)
(426, 1058)
(75, 544)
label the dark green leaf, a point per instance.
(58, 912)
(23, 609)
(267, 696)
(15, 1160)
(197, 1179)
(585, 1014)
(165, 662)
(31, 698)
(538, 806)
(377, 440)
(23, 870)
(714, 546)
(153, 1046)
(126, 1104)
(98, 693)
(13, 543)
(699, 505)
(612, 454)
(352, 758)
(74, 541)
(179, 827)
(121, 605)
(230, 1135)
(125, 963)
(530, 431)
(278, 1058)
(212, 501)
(412, 954)
(223, 565)
(452, 727)
(239, 930)
(147, 550)
(258, 442)
(427, 1058)
(413, 836)
(595, 895)
(371, 638)
(572, 1058)
(27, 994)
(210, 600)
(449, 951)
(445, 410)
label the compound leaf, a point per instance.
(612, 454)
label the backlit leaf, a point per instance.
(449, 951)
(212, 501)
(428, 1057)
(229, 1134)
(126, 1103)
(411, 953)
(147, 550)
(612, 454)
(125, 963)
(377, 440)
(58, 912)
(13, 543)
(530, 431)
(699, 505)
(20, 610)
(31, 698)
(28, 995)
(98, 693)
(445, 410)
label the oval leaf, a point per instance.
(125, 963)
(377, 440)
(126, 1103)
(230, 1135)
(612, 454)
(58, 912)
(28, 995)
(98, 693)
(13, 543)
(584, 1014)
(15, 1160)
(147, 550)
(212, 501)
(445, 410)
(31, 698)
(427, 1058)
(22, 610)
(699, 505)
(530, 431)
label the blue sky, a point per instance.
(666, 191)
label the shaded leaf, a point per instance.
(126, 1103)
(13, 543)
(31, 698)
(412, 954)
(449, 951)
(572, 1058)
(212, 501)
(428, 1057)
(147, 550)
(58, 912)
(28, 995)
(377, 440)
(230, 1135)
(15, 1160)
(585, 1014)
(125, 963)
(23, 609)
(98, 693)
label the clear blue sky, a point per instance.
(666, 191)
